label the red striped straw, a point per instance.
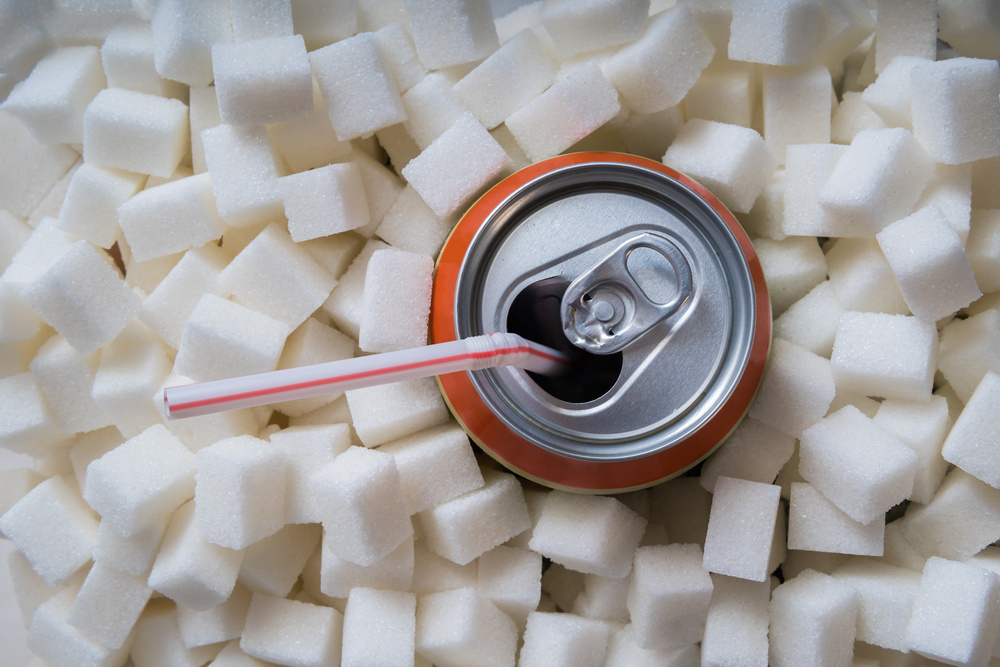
(468, 354)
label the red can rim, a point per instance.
(549, 468)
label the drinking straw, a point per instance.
(468, 354)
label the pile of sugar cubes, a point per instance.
(199, 189)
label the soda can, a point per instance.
(645, 279)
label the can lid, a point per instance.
(655, 282)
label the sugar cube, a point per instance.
(955, 613)
(307, 449)
(796, 108)
(983, 249)
(397, 299)
(263, 80)
(379, 628)
(733, 162)
(53, 528)
(972, 441)
(511, 578)
(396, 571)
(57, 642)
(459, 627)
(322, 23)
(244, 176)
(669, 595)
(563, 639)
(132, 555)
(816, 524)
(273, 565)
(240, 492)
(126, 129)
(726, 93)
(253, 19)
(792, 267)
(576, 28)
(54, 97)
(779, 33)
(127, 55)
(140, 481)
(29, 168)
(885, 599)
(741, 528)
(905, 29)
(324, 201)
(171, 218)
(291, 632)
(813, 618)
(389, 412)
(812, 321)
(132, 368)
(796, 391)
(90, 209)
(590, 534)
(891, 96)
(158, 642)
(736, 626)
(466, 527)
(224, 339)
(191, 570)
(958, 522)
(851, 116)
(856, 464)
(108, 605)
(222, 622)
(863, 279)
(360, 93)
(623, 651)
(432, 106)
(969, 349)
(411, 225)
(921, 426)
(892, 356)
(64, 376)
(453, 32)
(183, 34)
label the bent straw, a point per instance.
(469, 354)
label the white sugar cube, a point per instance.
(16, 482)
(603, 597)
(816, 524)
(222, 622)
(792, 267)
(306, 450)
(518, 71)
(885, 599)
(956, 116)
(347, 298)
(563, 639)
(224, 339)
(158, 641)
(255, 19)
(83, 298)
(133, 555)
(108, 605)
(863, 279)
(361, 94)
(590, 534)
(459, 627)
(275, 277)
(905, 29)
(453, 32)
(672, 44)
(126, 129)
(733, 162)
(457, 165)
(54, 97)
(796, 391)
(411, 225)
(263, 80)
(955, 613)
(724, 93)
(57, 642)
(310, 141)
(851, 116)
(813, 619)
(136, 484)
(650, 135)
(291, 632)
(669, 595)
(511, 578)
(183, 34)
(892, 356)
(128, 60)
(754, 452)
(29, 168)
(466, 527)
(877, 181)
(921, 426)
(812, 321)
(53, 528)
(576, 28)
(132, 368)
(563, 586)
(435, 465)
(856, 464)
(379, 628)
(312, 343)
(334, 253)
(736, 626)
(203, 113)
(397, 300)
(389, 412)
(687, 525)
(930, 264)
(564, 114)
(972, 441)
(361, 505)
(244, 176)
(191, 570)
(168, 306)
(796, 108)
(958, 522)
(741, 528)
(969, 349)
(382, 187)
(170, 218)
(779, 33)
(432, 106)
(90, 209)
(26, 424)
(891, 96)
(983, 249)
(623, 651)
(65, 377)
(396, 571)
(273, 564)
(240, 494)
(322, 23)
(324, 201)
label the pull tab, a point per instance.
(605, 309)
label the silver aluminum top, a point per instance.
(678, 368)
